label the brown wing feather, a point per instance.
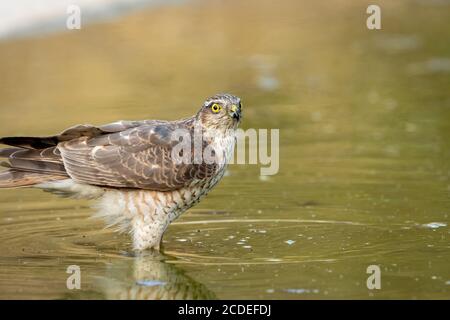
(78, 131)
(134, 158)
(13, 178)
(29, 166)
(124, 154)
(49, 154)
(41, 154)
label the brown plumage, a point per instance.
(122, 155)
(128, 155)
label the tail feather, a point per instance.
(13, 178)
(7, 152)
(31, 161)
(51, 154)
(30, 142)
(37, 166)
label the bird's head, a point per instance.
(221, 112)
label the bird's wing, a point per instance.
(82, 130)
(139, 157)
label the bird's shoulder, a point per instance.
(123, 133)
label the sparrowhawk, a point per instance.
(130, 167)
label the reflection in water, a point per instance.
(149, 277)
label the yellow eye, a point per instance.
(216, 108)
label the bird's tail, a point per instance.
(12, 178)
(29, 162)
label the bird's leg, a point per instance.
(146, 214)
(148, 232)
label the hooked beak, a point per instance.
(235, 112)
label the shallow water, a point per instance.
(364, 119)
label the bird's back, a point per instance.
(124, 154)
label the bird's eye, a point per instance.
(216, 108)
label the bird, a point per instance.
(142, 174)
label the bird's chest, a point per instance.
(187, 197)
(184, 198)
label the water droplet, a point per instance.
(434, 225)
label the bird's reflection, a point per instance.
(149, 277)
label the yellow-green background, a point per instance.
(364, 119)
